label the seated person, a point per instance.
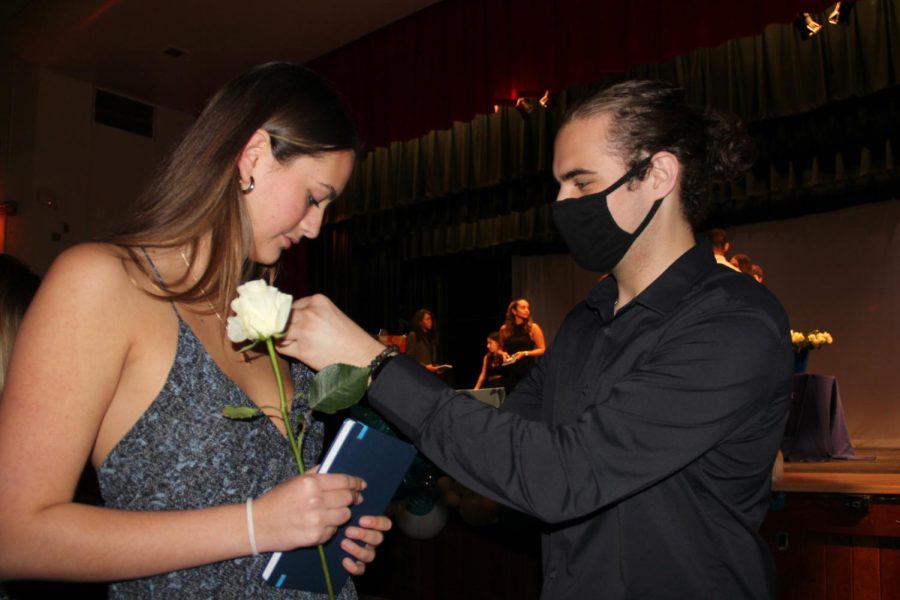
(492, 369)
(422, 341)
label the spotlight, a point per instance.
(525, 106)
(840, 14)
(806, 25)
(545, 99)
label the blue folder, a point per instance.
(381, 460)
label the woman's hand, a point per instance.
(305, 510)
(370, 534)
(319, 334)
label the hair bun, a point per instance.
(729, 150)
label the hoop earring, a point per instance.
(250, 186)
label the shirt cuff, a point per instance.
(406, 394)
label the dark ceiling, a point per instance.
(121, 45)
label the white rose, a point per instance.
(261, 311)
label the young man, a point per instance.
(720, 245)
(646, 434)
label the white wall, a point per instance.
(72, 178)
(838, 271)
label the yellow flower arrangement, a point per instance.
(810, 341)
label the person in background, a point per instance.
(422, 341)
(757, 272)
(122, 359)
(492, 369)
(742, 263)
(521, 340)
(18, 284)
(639, 440)
(720, 245)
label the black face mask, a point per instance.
(591, 233)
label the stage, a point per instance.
(880, 476)
(834, 528)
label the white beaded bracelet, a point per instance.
(250, 532)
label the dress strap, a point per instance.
(150, 262)
(160, 280)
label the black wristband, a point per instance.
(382, 359)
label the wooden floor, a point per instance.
(887, 460)
(878, 476)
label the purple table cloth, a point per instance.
(816, 429)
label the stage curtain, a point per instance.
(450, 61)
(823, 114)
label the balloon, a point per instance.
(421, 526)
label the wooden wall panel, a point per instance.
(838, 567)
(866, 569)
(890, 568)
(830, 546)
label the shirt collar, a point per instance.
(603, 297)
(667, 290)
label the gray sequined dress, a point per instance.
(182, 454)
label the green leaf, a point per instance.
(337, 387)
(241, 412)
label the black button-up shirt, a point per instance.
(645, 438)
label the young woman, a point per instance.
(521, 339)
(492, 370)
(122, 360)
(422, 342)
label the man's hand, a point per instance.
(319, 334)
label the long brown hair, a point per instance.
(196, 191)
(506, 330)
